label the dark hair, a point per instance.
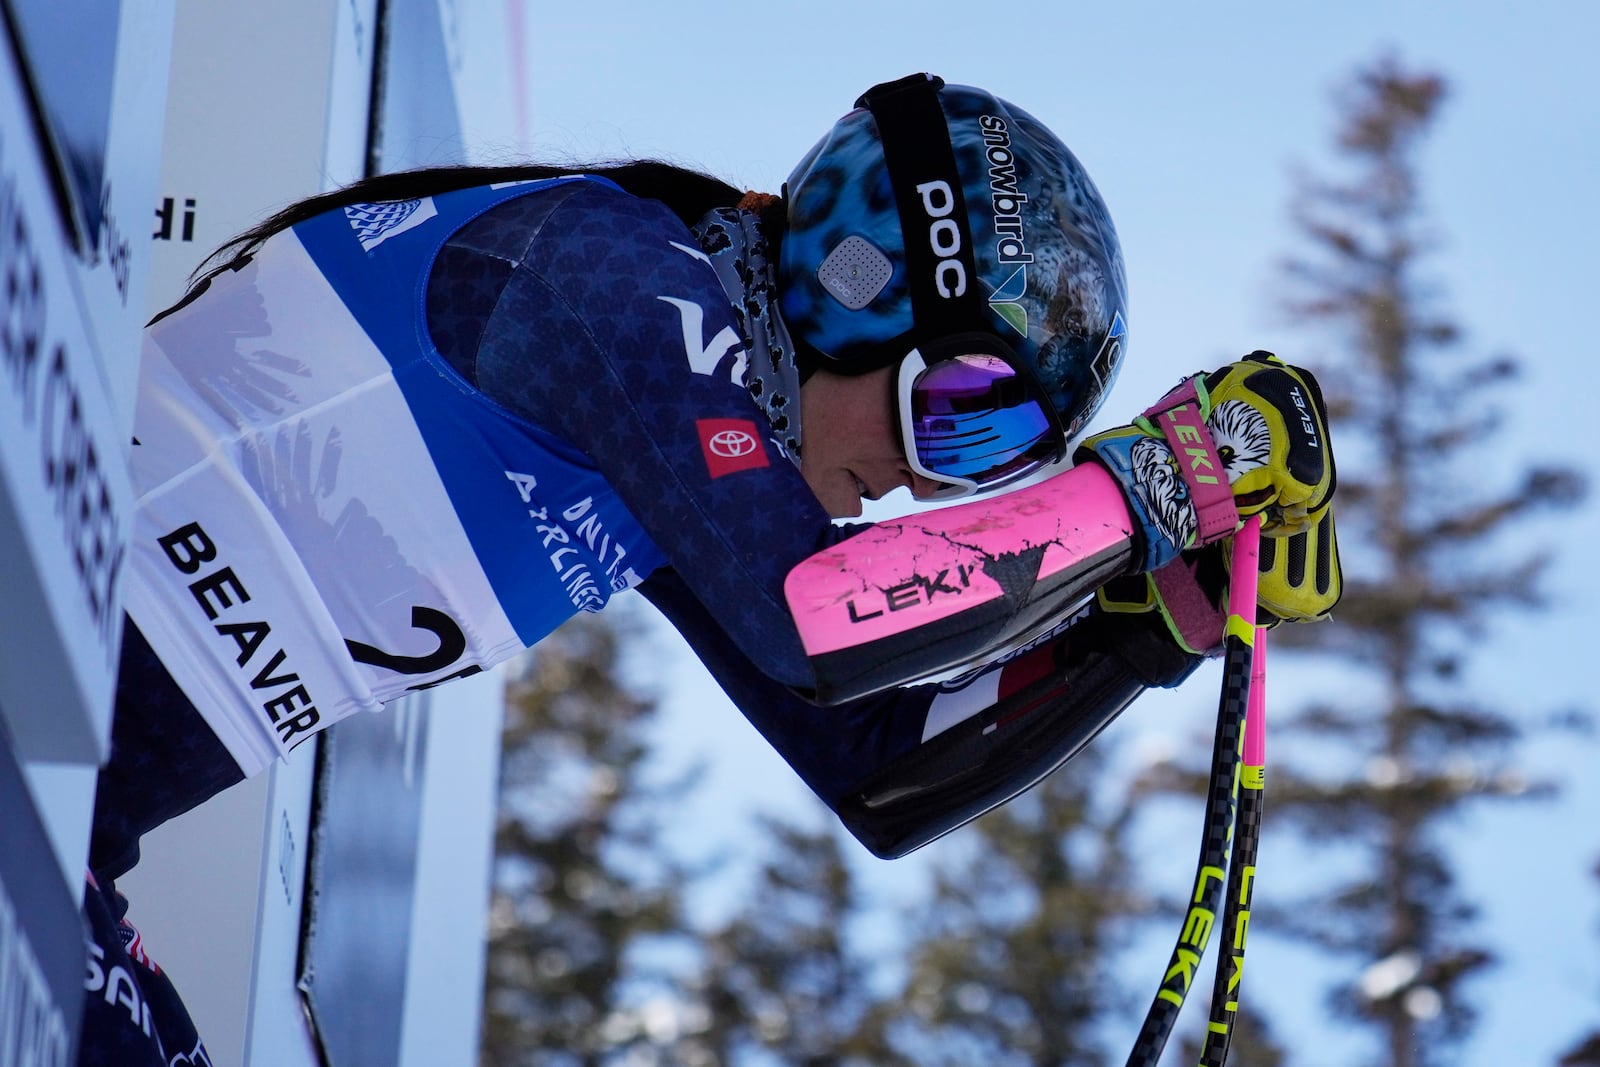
(687, 193)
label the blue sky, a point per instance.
(1191, 120)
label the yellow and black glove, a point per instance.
(1271, 428)
(1299, 581)
(1258, 423)
(1263, 425)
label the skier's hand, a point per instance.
(1269, 426)
(1188, 593)
(1271, 429)
(1299, 581)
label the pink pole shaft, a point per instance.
(1242, 606)
(1255, 716)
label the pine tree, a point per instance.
(785, 981)
(1405, 741)
(580, 881)
(1014, 959)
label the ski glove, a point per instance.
(1249, 438)
(1189, 593)
(1299, 581)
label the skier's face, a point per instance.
(850, 448)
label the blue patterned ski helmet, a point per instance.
(1011, 241)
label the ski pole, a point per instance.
(1246, 836)
(1206, 899)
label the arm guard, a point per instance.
(931, 594)
(1009, 727)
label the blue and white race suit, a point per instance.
(328, 514)
(404, 441)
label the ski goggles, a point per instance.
(974, 420)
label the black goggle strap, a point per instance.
(934, 225)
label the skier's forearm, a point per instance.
(1008, 726)
(929, 593)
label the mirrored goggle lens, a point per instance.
(974, 418)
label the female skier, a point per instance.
(400, 432)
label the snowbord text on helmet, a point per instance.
(941, 228)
